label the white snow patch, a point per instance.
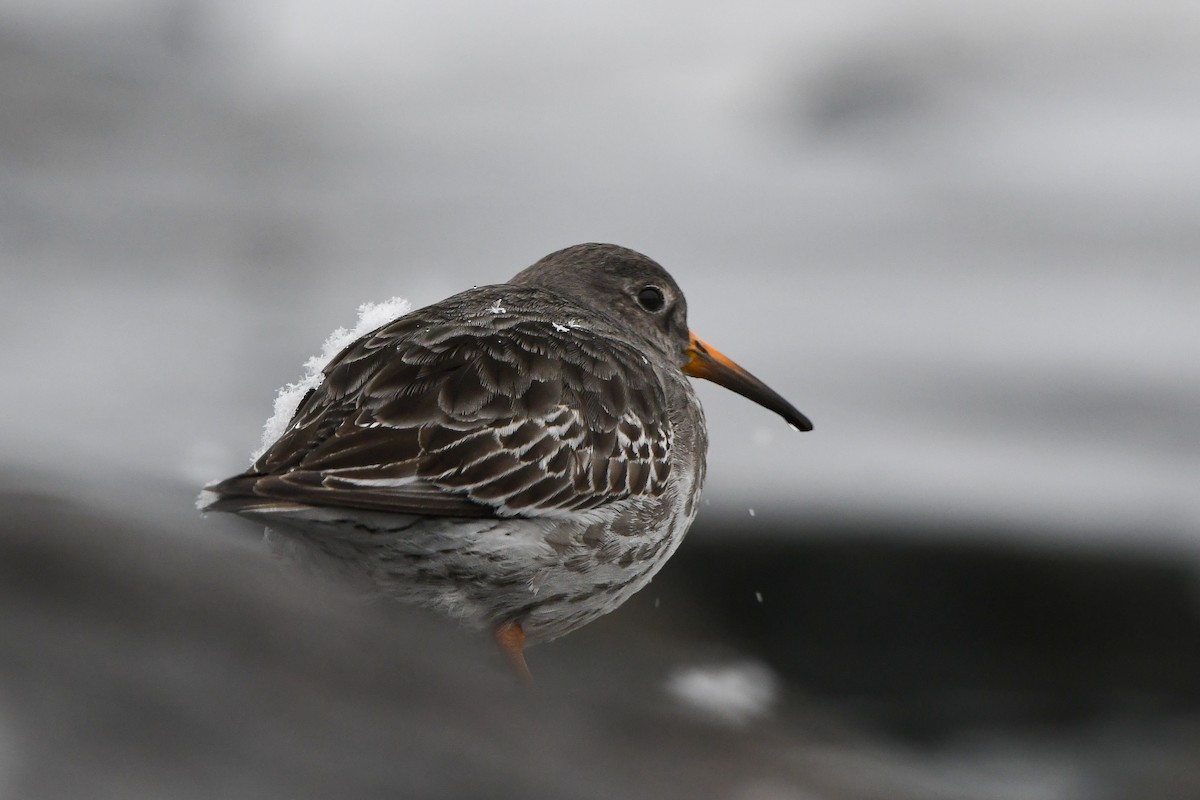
(731, 693)
(370, 317)
(206, 499)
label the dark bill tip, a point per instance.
(706, 362)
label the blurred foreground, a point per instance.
(173, 657)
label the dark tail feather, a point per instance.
(235, 495)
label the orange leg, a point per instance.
(511, 639)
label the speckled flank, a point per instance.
(552, 575)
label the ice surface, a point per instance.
(370, 317)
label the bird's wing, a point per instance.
(507, 417)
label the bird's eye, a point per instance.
(651, 298)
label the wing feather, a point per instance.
(435, 413)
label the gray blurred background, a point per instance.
(962, 238)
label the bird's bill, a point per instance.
(706, 362)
